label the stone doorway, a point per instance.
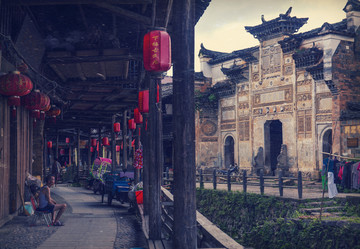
(327, 143)
(229, 151)
(273, 141)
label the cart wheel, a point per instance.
(109, 200)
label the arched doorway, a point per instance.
(327, 143)
(273, 141)
(229, 151)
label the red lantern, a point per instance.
(144, 101)
(36, 101)
(93, 142)
(15, 85)
(117, 127)
(137, 116)
(157, 51)
(67, 140)
(62, 152)
(91, 149)
(117, 148)
(35, 114)
(131, 124)
(53, 112)
(105, 141)
(49, 144)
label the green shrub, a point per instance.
(268, 222)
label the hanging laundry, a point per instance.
(355, 176)
(331, 185)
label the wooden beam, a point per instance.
(80, 59)
(126, 13)
(76, 2)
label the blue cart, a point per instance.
(117, 186)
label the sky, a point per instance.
(221, 28)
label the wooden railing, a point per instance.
(209, 235)
(246, 180)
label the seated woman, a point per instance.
(46, 203)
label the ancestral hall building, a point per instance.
(285, 101)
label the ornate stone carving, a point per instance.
(227, 126)
(322, 118)
(209, 139)
(208, 128)
(277, 96)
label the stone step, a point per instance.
(318, 203)
(325, 209)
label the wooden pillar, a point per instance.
(137, 144)
(78, 154)
(146, 163)
(155, 160)
(125, 130)
(89, 154)
(57, 144)
(100, 146)
(184, 125)
(13, 192)
(45, 155)
(113, 145)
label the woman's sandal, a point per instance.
(58, 224)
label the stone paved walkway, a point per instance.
(88, 224)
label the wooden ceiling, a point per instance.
(94, 54)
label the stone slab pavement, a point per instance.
(88, 223)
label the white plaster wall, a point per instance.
(329, 44)
(205, 67)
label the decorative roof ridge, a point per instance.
(352, 5)
(284, 24)
(209, 53)
(331, 28)
(245, 54)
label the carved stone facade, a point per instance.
(288, 93)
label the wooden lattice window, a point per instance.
(304, 124)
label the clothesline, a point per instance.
(344, 157)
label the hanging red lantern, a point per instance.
(49, 144)
(131, 124)
(42, 112)
(116, 127)
(15, 85)
(144, 101)
(157, 51)
(62, 152)
(67, 140)
(93, 142)
(36, 101)
(91, 149)
(137, 116)
(53, 112)
(105, 141)
(117, 148)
